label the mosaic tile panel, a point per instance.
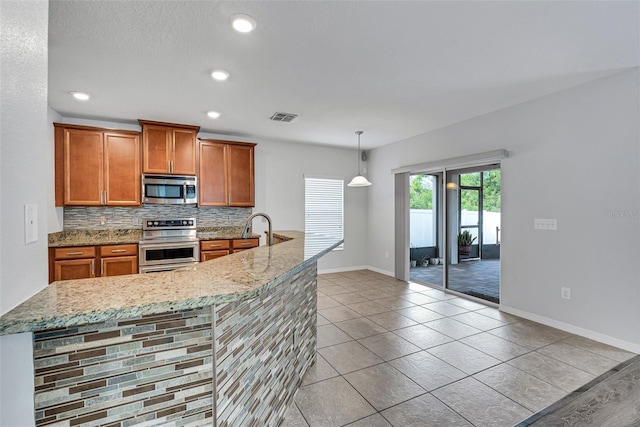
(150, 370)
(264, 346)
(130, 218)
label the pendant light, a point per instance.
(359, 180)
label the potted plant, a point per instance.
(465, 240)
(423, 261)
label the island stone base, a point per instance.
(228, 365)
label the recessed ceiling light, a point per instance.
(80, 96)
(213, 114)
(220, 75)
(243, 23)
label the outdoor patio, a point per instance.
(478, 278)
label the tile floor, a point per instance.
(398, 354)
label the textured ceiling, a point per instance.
(393, 69)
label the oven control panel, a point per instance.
(169, 223)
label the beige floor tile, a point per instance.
(423, 411)
(360, 328)
(327, 302)
(553, 371)
(331, 403)
(293, 418)
(463, 357)
(319, 371)
(388, 346)
(420, 314)
(368, 308)
(452, 328)
(599, 348)
(373, 294)
(422, 336)
(350, 298)
(417, 287)
(468, 304)
(495, 346)
(418, 298)
(445, 308)
(338, 314)
(334, 290)
(321, 320)
(394, 303)
(525, 389)
(427, 371)
(438, 294)
(349, 357)
(494, 313)
(529, 334)
(579, 358)
(331, 335)
(392, 320)
(383, 386)
(371, 421)
(478, 321)
(480, 404)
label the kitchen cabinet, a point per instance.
(96, 166)
(84, 262)
(239, 245)
(168, 148)
(226, 173)
(211, 249)
(116, 260)
(73, 263)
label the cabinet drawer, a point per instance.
(214, 245)
(245, 243)
(208, 255)
(118, 250)
(75, 252)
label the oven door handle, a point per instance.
(184, 192)
(159, 245)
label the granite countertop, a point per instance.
(124, 236)
(235, 277)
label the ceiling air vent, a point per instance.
(283, 117)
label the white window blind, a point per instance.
(323, 207)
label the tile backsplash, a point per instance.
(105, 218)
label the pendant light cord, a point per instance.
(358, 132)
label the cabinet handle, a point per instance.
(114, 251)
(214, 246)
(75, 253)
(246, 243)
(101, 267)
(93, 270)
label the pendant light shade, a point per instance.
(359, 180)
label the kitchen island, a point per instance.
(225, 342)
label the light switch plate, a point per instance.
(545, 224)
(30, 223)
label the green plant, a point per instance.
(466, 238)
(423, 260)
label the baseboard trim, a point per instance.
(381, 271)
(342, 269)
(592, 335)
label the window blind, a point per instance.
(324, 208)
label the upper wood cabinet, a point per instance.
(96, 167)
(226, 173)
(168, 148)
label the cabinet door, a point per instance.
(213, 172)
(156, 150)
(122, 169)
(83, 167)
(209, 255)
(118, 266)
(184, 152)
(244, 244)
(240, 180)
(73, 269)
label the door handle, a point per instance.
(115, 251)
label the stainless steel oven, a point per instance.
(168, 244)
(169, 190)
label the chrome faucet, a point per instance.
(247, 226)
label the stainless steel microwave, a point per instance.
(169, 190)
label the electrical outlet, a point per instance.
(565, 293)
(545, 224)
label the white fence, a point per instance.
(422, 230)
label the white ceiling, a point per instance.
(393, 69)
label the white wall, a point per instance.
(575, 156)
(24, 168)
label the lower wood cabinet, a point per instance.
(211, 249)
(85, 262)
(240, 245)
